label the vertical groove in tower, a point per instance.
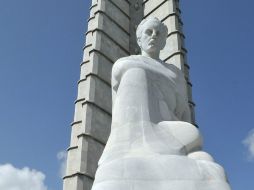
(111, 35)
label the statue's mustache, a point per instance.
(152, 41)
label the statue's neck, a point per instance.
(153, 55)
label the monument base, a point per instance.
(147, 156)
(160, 172)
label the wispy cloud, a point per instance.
(12, 178)
(249, 143)
(62, 157)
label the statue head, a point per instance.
(151, 36)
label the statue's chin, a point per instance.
(151, 50)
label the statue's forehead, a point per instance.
(151, 24)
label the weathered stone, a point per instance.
(89, 154)
(163, 11)
(97, 123)
(114, 13)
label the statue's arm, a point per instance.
(119, 67)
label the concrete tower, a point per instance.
(110, 36)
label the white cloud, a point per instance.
(249, 143)
(12, 178)
(62, 157)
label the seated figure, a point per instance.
(152, 145)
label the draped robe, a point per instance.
(151, 136)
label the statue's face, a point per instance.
(152, 40)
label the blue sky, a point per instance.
(40, 52)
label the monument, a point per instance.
(152, 146)
(157, 123)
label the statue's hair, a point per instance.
(139, 30)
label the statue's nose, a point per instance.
(154, 34)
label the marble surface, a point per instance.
(152, 145)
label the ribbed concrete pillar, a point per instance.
(111, 35)
(107, 39)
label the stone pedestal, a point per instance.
(157, 157)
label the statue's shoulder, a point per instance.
(174, 69)
(125, 62)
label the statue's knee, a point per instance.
(201, 155)
(135, 77)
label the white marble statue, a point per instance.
(152, 145)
